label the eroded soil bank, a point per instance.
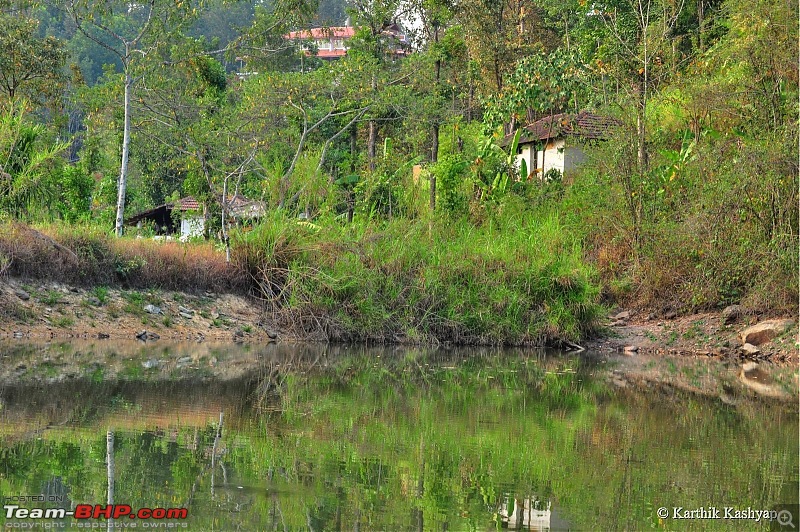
(702, 352)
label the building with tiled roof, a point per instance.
(191, 220)
(331, 43)
(556, 142)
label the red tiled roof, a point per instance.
(327, 54)
(188, 204)
(343, 32)
(583, 125)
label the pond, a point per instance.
(283, 437)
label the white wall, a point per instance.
(192, 226)
(526, 154)
(565, 159)
(552, 157)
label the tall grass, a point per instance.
(86, 256)
(513, 280)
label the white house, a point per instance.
(556, 142)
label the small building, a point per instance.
(556, 142)
(190, 222)
(186, 217)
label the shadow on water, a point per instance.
(282, 437)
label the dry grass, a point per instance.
(86, 257)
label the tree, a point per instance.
(640, 31)
(30, 67)
(499, 32)
(131, 32)
(26, 163)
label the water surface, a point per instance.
(329, 438)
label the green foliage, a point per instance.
(514, 281)
(27, 163)
(76, 194)
(450, 174)
(30, 67)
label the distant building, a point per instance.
(556, 142)
(191, 220)
(331, 43)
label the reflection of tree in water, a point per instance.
(328, 438)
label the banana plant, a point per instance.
(504, 178)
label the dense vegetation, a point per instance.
(108, 109)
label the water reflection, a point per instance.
(329, 438)
(528, 513)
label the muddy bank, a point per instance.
(36, 309)
(707, 335)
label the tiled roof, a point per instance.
(583, 125)
(188, 204)
(327, 54)
(342, 32)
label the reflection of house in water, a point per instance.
(190, 220)
(524, 514)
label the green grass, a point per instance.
(51, 297)
(101, 293)
(513, 279)
(64, 322)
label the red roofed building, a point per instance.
(331, 43)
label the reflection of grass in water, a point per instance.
(357, 437)
(131, 370)
(671, 367)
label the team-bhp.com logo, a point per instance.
(95, 511)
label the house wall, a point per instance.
(558, 156)
(574, 156)
(552, 157)
(526, 154)
(192, 226)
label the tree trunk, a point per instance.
(371, 142)
(110, 465)
(225, 236)
(435, 125)
(353, 147)
(373, 133)
(126, 140)
(700, 22)
(641, 131)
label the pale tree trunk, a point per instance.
(373, 133)
(225, 236)
(641, 121)
(435, 126)
(110, 468)
(126, 140)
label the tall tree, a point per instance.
(641, 32)
(131, 32)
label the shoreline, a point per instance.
(698, 353)
(41, 310)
